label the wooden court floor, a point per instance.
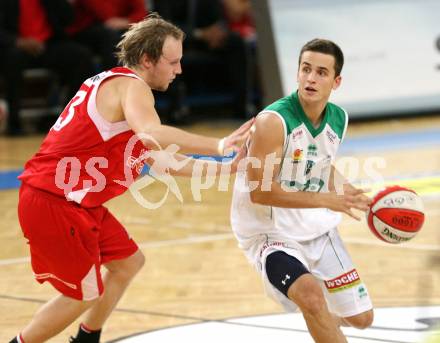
(194, 269)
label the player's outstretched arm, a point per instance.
(265, 151)
(137, 102)
(164, 162)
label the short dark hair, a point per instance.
(146, 37)
(327, 47)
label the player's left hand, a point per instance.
(362, 200)
(235, 140)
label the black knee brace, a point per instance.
(282, 270)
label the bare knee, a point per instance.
(138, 261)
(362, 320)
(307, 294)
(128, 267)
(313, 305)
(133, 264)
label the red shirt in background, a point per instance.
(90, 11)
(245, 26)
(33, 21)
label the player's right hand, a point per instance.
(353, 198)
(236, 139)
(240, 155)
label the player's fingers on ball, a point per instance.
(367, 200)
(353, 204)
(361, 207)
(363, 199)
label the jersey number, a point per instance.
(70, 109)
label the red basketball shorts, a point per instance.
(69, 243)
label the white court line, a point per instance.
(10, 261)
(378, 243)
(226, 236)
(187, 240)
(153, 244)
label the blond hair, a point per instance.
(146, 37)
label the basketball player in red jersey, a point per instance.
(93, 153)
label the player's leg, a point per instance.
(116, 279)
(122, 260)
(360, 321)
(53, 317)
(62, 245)
(291, 277)
(345, 292)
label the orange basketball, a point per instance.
(395, 214)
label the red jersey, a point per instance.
(84, 157)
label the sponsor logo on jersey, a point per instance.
(312, 150)
(272, 244)
(137, 163)
(99, 76)
(362, 292)
(331, 136)
(297, 155)
(309, 166)
(344, 281)
(287, 277)
(296, 135)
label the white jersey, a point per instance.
(307, 157)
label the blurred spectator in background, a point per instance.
(99, 25)
(240, 19)
(32, 35)
(214, 54)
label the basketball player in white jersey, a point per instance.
(70, 233)
(285, 218)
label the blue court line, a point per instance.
(8, 179)
(352, 145)
(393, 141)
(146, 168)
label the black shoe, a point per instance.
(85, 336)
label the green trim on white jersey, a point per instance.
(291, 110)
